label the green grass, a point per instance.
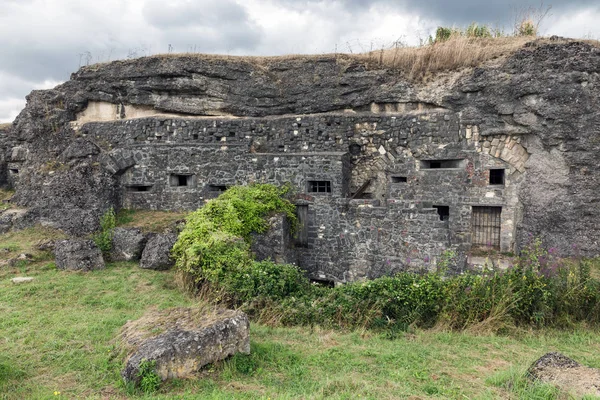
(57, 335)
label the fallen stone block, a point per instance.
(182, 340)
(21, 279)
(127, 244)
(157, 253)
(566, 374)
(78, 255)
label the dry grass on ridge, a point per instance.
(414, 62)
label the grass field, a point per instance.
(57, 341)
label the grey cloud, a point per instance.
(204, 25)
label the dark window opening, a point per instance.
(496, 177)
(443, 212)
(281, 147)
(140, 188)
(14, 171)
(486, 226)
(354, 149)
(399, 179)
(437, 164)
(322, 282)
(195, 136)
(181, 180)
(231, 134)
(302, 227)
(319, 186)
(218, 188)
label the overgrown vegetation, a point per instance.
(214, 247)
(57, 335)
(539, 290)
(103, 238)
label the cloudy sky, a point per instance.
(43, 41)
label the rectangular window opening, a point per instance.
(181, 180)
(140, 188)
(322, 282)
(399, 179)
(217, 188)
(486, 226)
(437, 164)
(14, 171)
(443, 212)
(496, 177)
(319, 186)
(195, 136)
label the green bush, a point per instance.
(214, 246)
(103, 238)
(214, 249)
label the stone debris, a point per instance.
(127, 244)
(157, 253)
(21, 279)
(78, 255)
(183, 340)
(566, 374)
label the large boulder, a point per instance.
(182, 340)
(567, 374)
(127, 244)
(78, 255)
(157, 253)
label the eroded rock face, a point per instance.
(162, 133)
(78, 255)
(187, 340)
(157, 253)
(127, 244)
(567, 374)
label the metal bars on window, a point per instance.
(319, 186)
(485, 226)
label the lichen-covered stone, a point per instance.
(181, 341)
(78, 255)
(127, 244)
(157, 252)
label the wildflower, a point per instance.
(56, 393)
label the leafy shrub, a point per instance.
(103, 238)
(214, 249)
(214, 246)
(149, 379)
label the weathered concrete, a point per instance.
(78, 255)
(127, 244)
(172, 132)
(157, 252)
(181, 341)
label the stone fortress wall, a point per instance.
(169, 162)
(388, 172)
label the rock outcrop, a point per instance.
(389, 171)
(567, 374)
(181, 341)
(157, 252)
(78, 255)
(127, 244)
